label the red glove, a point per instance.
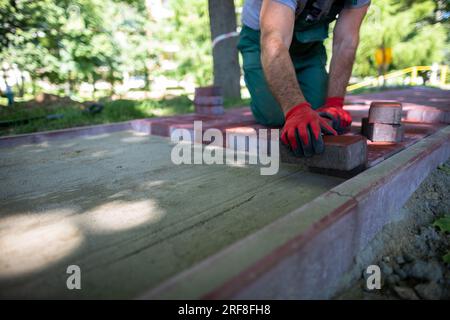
(334, 110)
(302, 130)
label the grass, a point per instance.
(443, 225)
(113, 111)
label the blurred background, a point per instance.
(61, 59)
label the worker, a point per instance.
(284, 61)
(9, 94)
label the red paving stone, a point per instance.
(208, 91)
(419, 104)
(379, 151)
(208, 101)
(428, 97)
(433, 104)
(344, 156)
(216, 110)
(382, 131)
(385, 112)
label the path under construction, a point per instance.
(109, 199)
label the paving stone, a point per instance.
(346, 174)
(382, 132)
(208, 100)
(427, 115)
(242, 117)
(345, 153)
(385, 112)
(251, 135)
(429, 105)
(164, 126)
(208, 91)
(209, 109)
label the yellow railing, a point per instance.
(413, 70)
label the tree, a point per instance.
(182, 38)
(409, 27)
(70, 41)
(222, 17)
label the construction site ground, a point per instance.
(110, 200)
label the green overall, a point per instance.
(309, 58)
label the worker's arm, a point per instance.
(345, 44)
(277, 25)
(302, 128)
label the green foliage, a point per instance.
(443, 167)
(73, 40)
(443, 224)
(68, 42)
(446, 258)
(410, 28)
(188, 29)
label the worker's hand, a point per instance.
(302, 130)
(334, 110)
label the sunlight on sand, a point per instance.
(33, 242)
(33, 248)
(120, 215)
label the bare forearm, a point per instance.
(280, 74)
(341, 67)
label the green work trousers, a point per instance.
(309, 60)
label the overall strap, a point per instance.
(314, 10)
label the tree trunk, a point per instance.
(33, 86)
(222, 19)
(147, 78)
(22, 85)
(148, 33)
(71, 83)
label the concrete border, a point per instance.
(305, 254)
(38, 137)
(161, 126)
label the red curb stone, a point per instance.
(368, 208)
